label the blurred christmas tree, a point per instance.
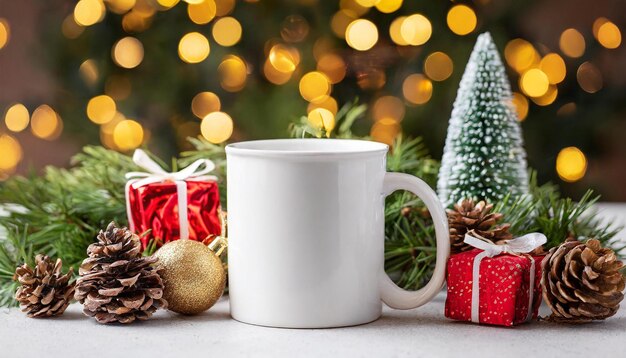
(157, 71)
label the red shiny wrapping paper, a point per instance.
(155, 206)
(504, 288)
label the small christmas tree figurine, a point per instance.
(483, 158)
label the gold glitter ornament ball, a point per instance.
(193, 274)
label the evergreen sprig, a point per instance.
(544, 210)
(409, 233)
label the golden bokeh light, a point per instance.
(589, 77)
(193, 47)
(608, 35)
(461, 19)
(438, 66)
(315, 87)
(106, 131)
(101, 109)
(5, 32)
(16, 118)
(223, 7)
(554, 67)
(295, 28)
(385, 131)
(395, 31)
(520, 104)
(340, 21)
(135, 21)
(520, 55)
(596, 25)
(217, 127)
(367, 3)
(572, 43)
(233, 73)
(416, 29)
(571, 164)
(167, 4)
(548, 98)
(120, 6)
(353, 6)
(388, 6)
(333, 66)
(204, 103)
(273, 75)
(361, 35)
(127, 52)
(45, 123)
(388, 107)
(227, 31)
(89, 12)
(70, 28)
(329, 103)
(203, 12)
(323, 119)
(117, 87)
(88, 71)
(146, 8)
(417, 89)
(283, 58)
(128, 134)
(11, 152)
(534, 82)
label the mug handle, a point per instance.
(391, 294)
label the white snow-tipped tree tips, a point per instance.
(484, 156)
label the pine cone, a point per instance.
(467, 216)
(116, 284)
(581, 282)
(44, 291)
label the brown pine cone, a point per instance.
(467, 216)
(44, 291)
(581, 282)
(116, 284)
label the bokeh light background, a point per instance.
(131, 73)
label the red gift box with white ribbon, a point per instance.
(178, 205)
(495, 284)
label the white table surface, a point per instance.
(422, 332)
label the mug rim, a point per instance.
(309, 147)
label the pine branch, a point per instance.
(410, 249)
(60, 212)
(411, 156)
(543, 210)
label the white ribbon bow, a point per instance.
(520, 245)
(155, 174)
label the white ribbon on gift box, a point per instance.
(155, 174)
(517, 246)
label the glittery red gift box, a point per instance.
(155, 206)
(503, 288)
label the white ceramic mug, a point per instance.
(306, 233)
